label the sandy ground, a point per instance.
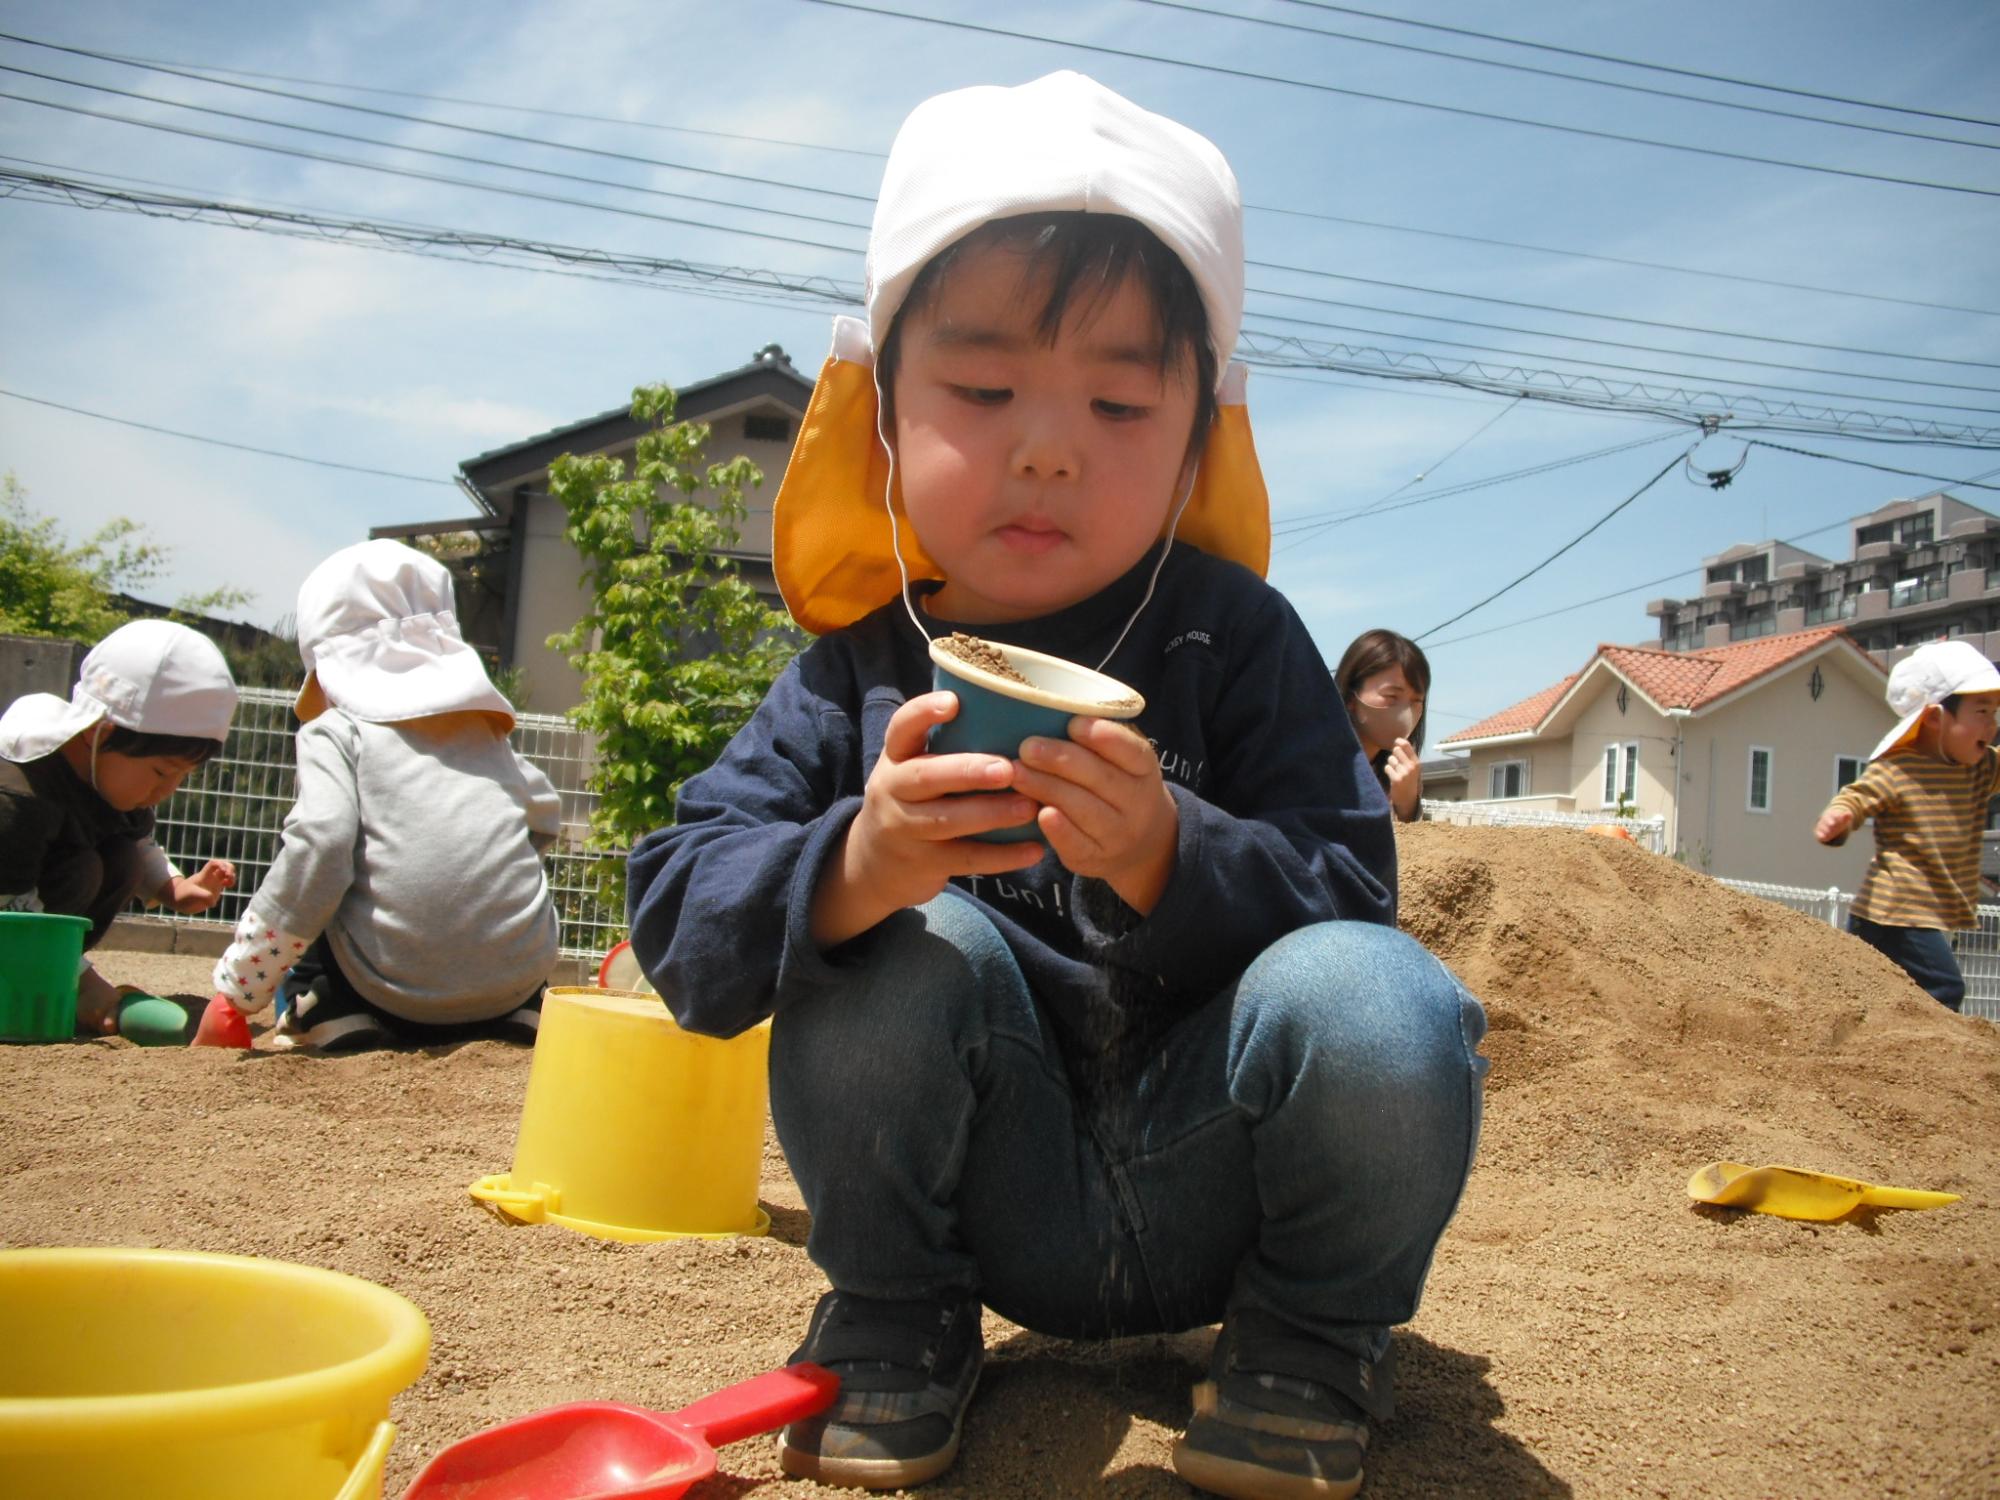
(1587, 1330)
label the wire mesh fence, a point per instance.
(233, 807)
(1978, 947)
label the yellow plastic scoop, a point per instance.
(1793, 1193)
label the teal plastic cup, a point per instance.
(995, 713)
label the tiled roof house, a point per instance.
(1737, 746)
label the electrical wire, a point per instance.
(1577, 338)
(407, 119)
(1607, 83)
(1306, 523)
(454, 156)
(1517, 583)
(1653, 583)
(1567, 388)
(1835, 458)
(1626, 62)
(1450, 109)
(205, 70)
(215, 442)
(864, 198)
(411, 172)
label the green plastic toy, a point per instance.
(152, 1021)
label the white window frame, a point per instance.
(1623, 781)
(1493, 778)
(1860, 765)
(1750, 779)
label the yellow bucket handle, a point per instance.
(530, 1205)
(365, 1483)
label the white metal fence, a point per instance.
(1648, 833)
(1978, 948)
(234, 805)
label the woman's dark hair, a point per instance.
(136, 742)
(1087, 255)
(1376, 651)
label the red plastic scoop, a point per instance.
(606, 1450)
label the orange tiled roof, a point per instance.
(1672, 679)
(1519, 719)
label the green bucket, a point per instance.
(40, 952)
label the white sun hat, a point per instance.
(1930, 674)
(150, 675)
(379, 638)
(1061, 144)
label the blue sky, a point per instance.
(412, 364)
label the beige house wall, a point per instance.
(552, 599)
(1599, 725)
(1695, 771)
(1716, 828)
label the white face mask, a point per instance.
(1384, 726)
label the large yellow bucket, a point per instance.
(178, 1375)
(634, 1129)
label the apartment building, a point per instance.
(1917, 570)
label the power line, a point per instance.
(477, 245)
(1653, 583)
(203, 70)
(1697, 405)
(1579, 338)
(1450, 109)
(479, 161)
(1571, 312)
(1577, 359)
(850, 224)
(411, 172)
(1621, 260)
(1569, 389)
(1835, 458)
(215, 442)
(389, 114)
(1626, 62)
(1671, 465)
(1307, 523)
(1606, 83)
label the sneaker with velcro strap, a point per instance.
(1282, 1415)
(907, 1372)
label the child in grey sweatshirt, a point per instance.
(408, 899)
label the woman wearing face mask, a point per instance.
(1383, 679)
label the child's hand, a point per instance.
(1107, 812)
(1834, 825)
(222, 1025)
(912, 833)
(201, 890)
(1406, 780)
(96, 1003)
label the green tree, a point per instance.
(50, 587)
(677, 650)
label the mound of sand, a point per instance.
(1587, 1330)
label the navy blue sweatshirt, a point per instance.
(1282, 823)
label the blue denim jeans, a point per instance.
(1296, 1145)
(1921, 952)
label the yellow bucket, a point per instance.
(179, 1375)
(634, 1129)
